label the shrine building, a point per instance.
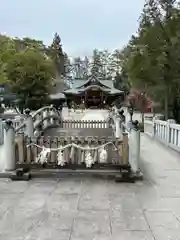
(93, 93)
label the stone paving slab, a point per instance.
(76, 208)
(72, 209)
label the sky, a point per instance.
(82, 24)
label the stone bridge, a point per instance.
(87, 208)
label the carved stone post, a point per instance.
(134, 148)
(45, 114)
(60, 115)
(117, 126)
(51, 113)
(9, 146)
(29, 129)
(168, 140)
(122, 120)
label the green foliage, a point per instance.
(96, 64)
(22, 44)
(28, 67)
(56, 53)
(30, 76)
(154, 60)
(121, 82)
(7, 50)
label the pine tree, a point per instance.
(96, 64)
(56, 53)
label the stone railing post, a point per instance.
(122, 120)
(154, 127)
(51, 113)
(134, 148)
(45, 115)
(60, 115)
(29, 129)
(117, 126)
(1, 132)
(168, 136)
(17, 122)
(9, 146)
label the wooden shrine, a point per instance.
(93, 93)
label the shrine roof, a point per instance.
(78, 83)
(79, 86)
(80, 90)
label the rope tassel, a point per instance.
(61, 158)
(43, 156)
(86, 153)
(103, 156)
(88, 160)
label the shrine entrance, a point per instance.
(94, 97)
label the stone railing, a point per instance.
(167, 132)
(1, 132)
(39, 121)
(81, 124)
(34, 124)
(131, 129)
(78, 152)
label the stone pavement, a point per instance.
(79, 115)
(74, 208)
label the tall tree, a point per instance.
(115, 62)
(77, 68)
(154, 60)
(121, 82)
(30, 76)
(7, 50)
(96, 64)
(56, 53)
(81, 67)
(163, 15)
(67, 66)
(105, 61)
(85, 67)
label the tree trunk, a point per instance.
(142, 118)
(166, 104)
(176, 109)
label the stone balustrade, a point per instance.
(37, 122)
(167, 132)
(34, 124)
(131, 130)
(81, 124)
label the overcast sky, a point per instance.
(82, 24)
